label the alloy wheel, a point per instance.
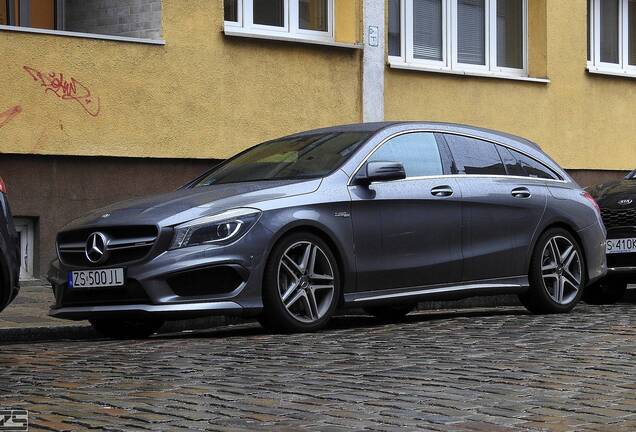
(561, 270)
(306, 281)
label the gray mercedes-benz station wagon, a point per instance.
(377, 216)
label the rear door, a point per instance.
(500, 212)
(407, 233)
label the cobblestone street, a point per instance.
(490, 370)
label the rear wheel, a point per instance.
(605, 292)
(301, 287)
(557, 274)
(390, 313)
(126, 328)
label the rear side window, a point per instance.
(519, 164)
(417, 151)
(474, 156)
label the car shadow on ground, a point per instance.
(346, 322)
(343, 321)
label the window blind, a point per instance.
(471, 32)
(427, 29)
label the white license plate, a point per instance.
(626, 245)
(96, 278)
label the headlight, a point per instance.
(220, 229)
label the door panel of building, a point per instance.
(25, 229)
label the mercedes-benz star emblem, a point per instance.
(625, 202)
(96, 251)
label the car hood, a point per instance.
(608, 195)
(186, 204)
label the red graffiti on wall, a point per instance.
(66, 89)
(7, 116)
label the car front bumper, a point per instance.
(173, 284)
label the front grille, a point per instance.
(619, 217)
(124, 245)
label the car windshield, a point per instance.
(631, 175)
(301, 157)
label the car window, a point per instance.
(417, 151)
(300, 157)
(513, 166)
(474, 156)
(526, 166)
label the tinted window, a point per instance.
(418, 152)
(473, 156)
(307, 156)
(530, 167)
(513, 166)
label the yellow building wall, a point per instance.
(584, 121)
(202, 95)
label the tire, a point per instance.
(389, 313)
(557, 274)
(126, 328)
(604, 292)
(301, 286)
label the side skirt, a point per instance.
(509, 285)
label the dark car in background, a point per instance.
(9, 252)
(618, 208)
(376, 216)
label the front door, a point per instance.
(407, 233)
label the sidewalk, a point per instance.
(27, 317)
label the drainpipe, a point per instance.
(373, 61)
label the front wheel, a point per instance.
(557, 274)
(301, 287)
(604, 292)
(126, 328)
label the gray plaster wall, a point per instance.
(129, 18)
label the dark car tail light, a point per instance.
(3, 186)
(591, 199)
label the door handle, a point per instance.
(442, 191)
(521, 192)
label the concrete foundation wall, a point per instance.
(130, 18)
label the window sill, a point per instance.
(82, 35)
(398, 64)
(611, 72)
(240, 32)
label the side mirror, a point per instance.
(381, 172)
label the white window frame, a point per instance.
(291, 29)
(595, 64)
(450, 63)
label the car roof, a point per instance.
(374, 127)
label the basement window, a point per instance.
(468, 37)
(301, 20)
(612, 37)
(114, 19)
